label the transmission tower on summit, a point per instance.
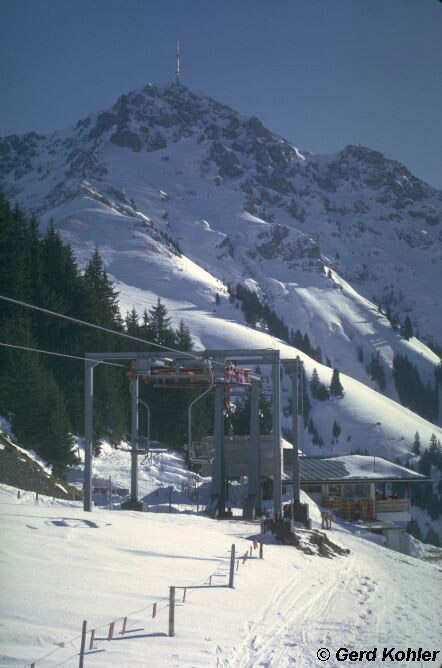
(178, 69)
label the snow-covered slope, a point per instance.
(184, 196)
(61, 566)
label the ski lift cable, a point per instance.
(49, 352)
(104, 329)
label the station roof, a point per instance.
(351, 468)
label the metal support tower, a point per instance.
(134, 389)
(266, 356)
(296, 374)
(277, 458)
(254, 500)
(88, 433)
(217, 502)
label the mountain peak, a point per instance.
(230, 175)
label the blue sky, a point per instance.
(322, 73)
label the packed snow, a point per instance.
(63, 566)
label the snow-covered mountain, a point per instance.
(185, 197)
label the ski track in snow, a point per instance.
(305, 614)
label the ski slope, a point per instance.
(61, 565)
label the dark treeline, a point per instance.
(257, 313)
(376, 371)
(428, 495)
(43, 396)
(413, 393)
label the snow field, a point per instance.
(64, 565)
(61, 565)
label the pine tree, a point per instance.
(336, 388)
(102, 303)
(407, 329)
(413, 393)
(305, 398)
(58, 442)
(40, 419)
(376, 371)
(183, 337)
(318, 389)
(323, 393)
(314, 383)
(416, 447)
(435, 452)
(217, 299)
(160, 324)
(336, 430)
(131, 322)
(50, 402)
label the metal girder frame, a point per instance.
(245, 356)
(254, 496)
(295, 368)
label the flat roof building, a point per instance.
(357, 486)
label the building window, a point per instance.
(315, 489)
(335, 490)
(356, 491)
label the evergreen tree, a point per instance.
(336, 388)
(58, 441)
(160, 324)
(40, 419)
(102, 302)
(305, 398)
(323, 393)
(336, 430)
(183, 337)
(416, 448)
(146, 330)
(318, 389)
(376, 371)
(407, 328)
(42, 270)
(131, 323)
(413, 393)
(435, 452)
(314, 383)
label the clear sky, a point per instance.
(322, 73)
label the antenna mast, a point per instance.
(178, 70)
